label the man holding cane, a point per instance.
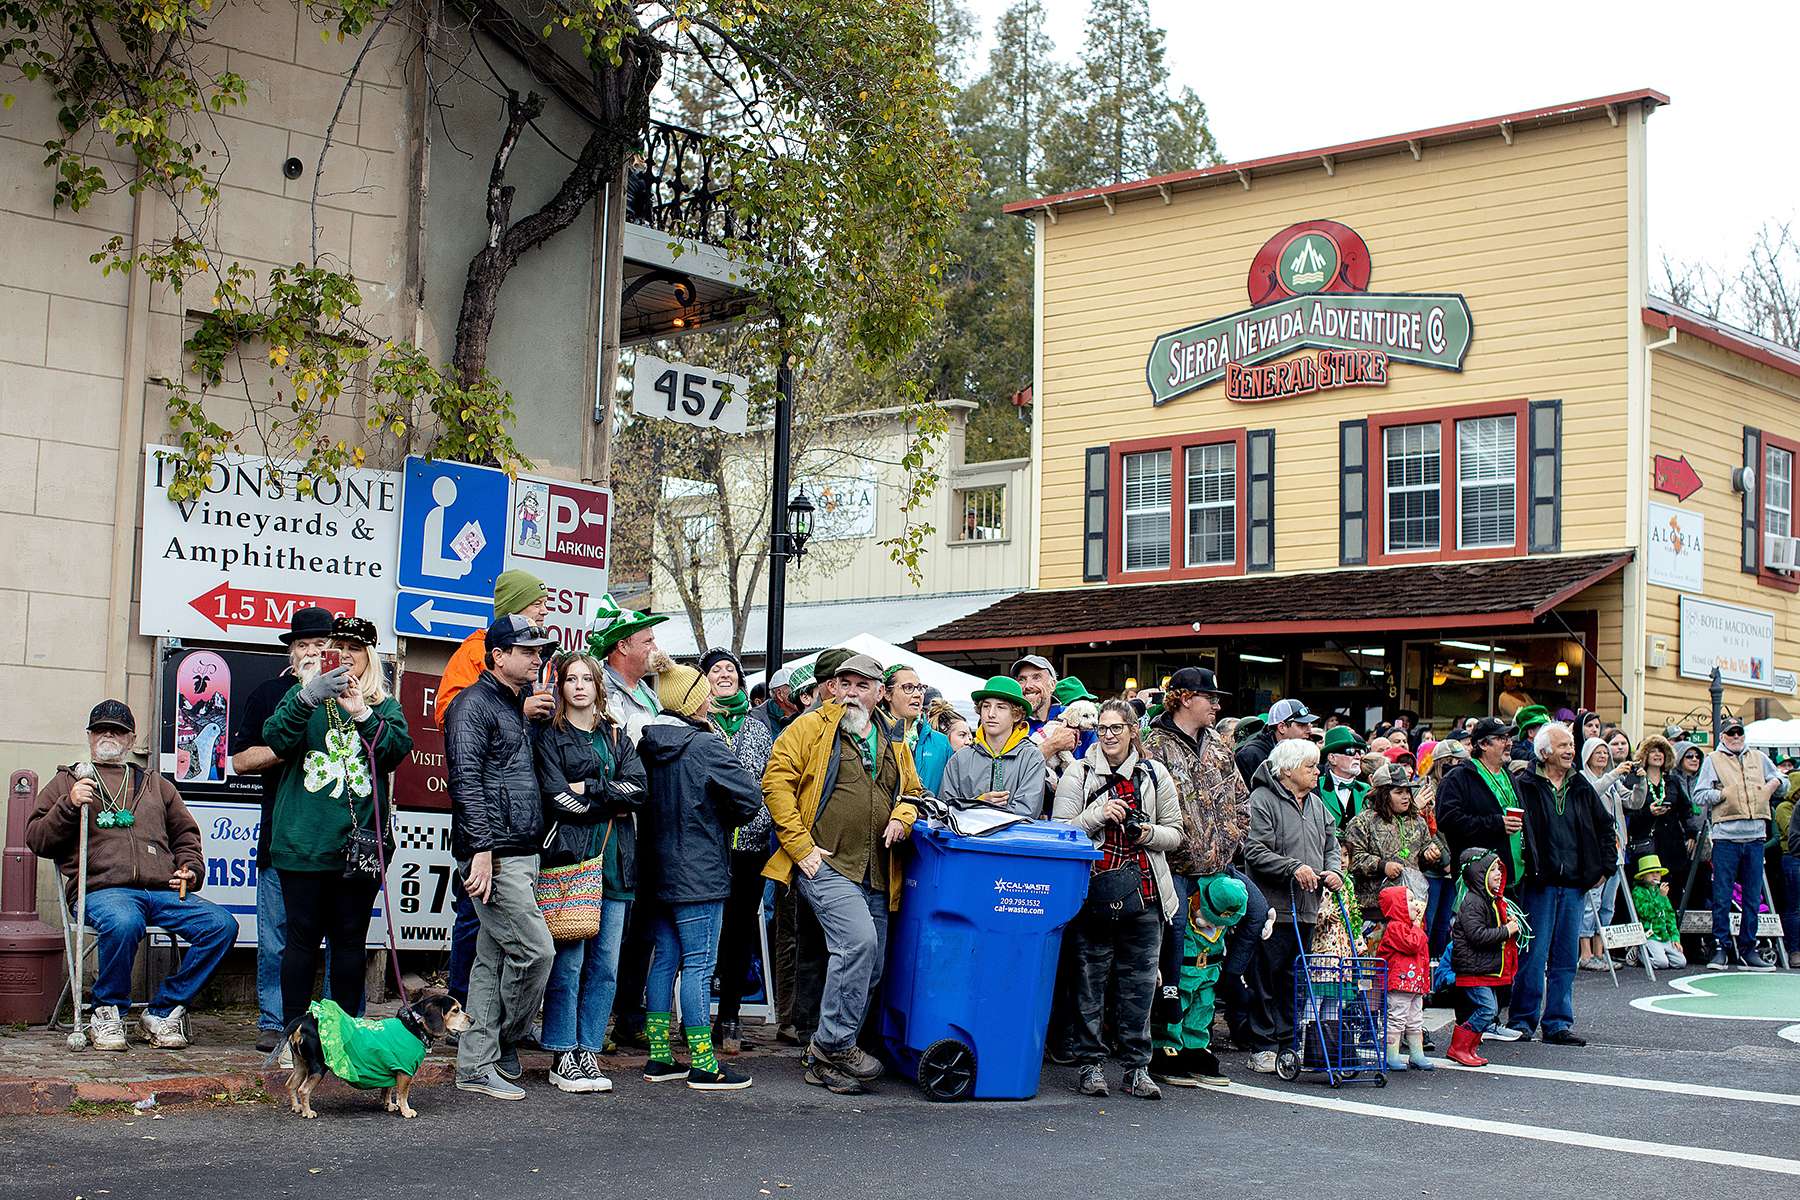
(143, 864)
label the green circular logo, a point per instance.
(1308, 262)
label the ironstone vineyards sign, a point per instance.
(1308, 290)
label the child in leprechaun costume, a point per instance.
(1183, 1056)
(1650, 897)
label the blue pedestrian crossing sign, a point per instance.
(452, 545)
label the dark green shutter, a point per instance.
(1753, 466)
(1259, 449)
(1543, 453)
(1353, 493)
(1093, 534)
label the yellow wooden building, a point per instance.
(1397, 425)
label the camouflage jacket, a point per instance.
(1215, 804)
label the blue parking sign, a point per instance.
(452, 545)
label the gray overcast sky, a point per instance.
(1279, 77)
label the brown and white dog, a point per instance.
(429, 1017)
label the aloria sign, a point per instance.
(1309, 290)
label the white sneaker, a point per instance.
(107, 1029)
(1502, 1033)
(166, 1033)
(1263, 1062)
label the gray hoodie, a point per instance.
(1023, 775)
(1285, 834)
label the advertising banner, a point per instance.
(234, 564)
(204, 694)
(1677, 554)
(419, 781)
(562, 533)
(1738, 641)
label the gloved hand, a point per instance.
(327, 686)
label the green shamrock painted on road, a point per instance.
(1732, 996)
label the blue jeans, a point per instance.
(1605, 897)
(686, 940)
(1440, 912)
(463, 936)
(120, 915)
(1740, 863)
(1487, 1008)
(1790, 911)
(583, 981)
(1546, 981)
(271, 942)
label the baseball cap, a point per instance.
(1732, 725)
(111, 714)
(1291, 710)
(514, 630)
(1489, 727)
(779, 678)
(1032, 660)
(859, 664)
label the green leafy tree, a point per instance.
(1121, 122)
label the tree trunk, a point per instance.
(623, 92)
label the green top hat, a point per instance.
(1530, 717)
(1221, 900)
(1070, 689)
(1341, 739)
(1002, 687)
(1648, 864)
(613, 624)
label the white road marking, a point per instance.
(1628, 1081)
(1535, 1133)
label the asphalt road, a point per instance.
(1546, 1136)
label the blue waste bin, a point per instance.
(972, 955)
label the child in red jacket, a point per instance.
(1407, 951)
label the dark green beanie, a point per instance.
(515, 590)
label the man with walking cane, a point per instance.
(123, 839)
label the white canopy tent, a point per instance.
(1772, 734)
(955, 685)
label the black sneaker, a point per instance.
(508, 1066)
(1753, 960)
(657, 1071)
(267, 1039)
(1563, 1037)
(820, 1073)
(726, 1079)
(1720, 960)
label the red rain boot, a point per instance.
(1463, 1044)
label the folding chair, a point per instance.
(151, 935)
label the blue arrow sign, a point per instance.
(452, 545)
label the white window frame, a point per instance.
(1153, 507)
(1770, 485)
(1389, 489)
(960, 508)
(1217, 459)
(1468, 458)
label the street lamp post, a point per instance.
(790, 522)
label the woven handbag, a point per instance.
(570, 897)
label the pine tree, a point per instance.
(1121, 122)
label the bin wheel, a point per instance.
(1336, 1082)
(947, 1070)
(1381, 1081)
(1287, 1066)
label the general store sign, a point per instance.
(1309, 289)
(234, 564)
(1738, 641)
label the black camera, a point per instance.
(1133, 825)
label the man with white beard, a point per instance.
(841, 793)
(144, 863)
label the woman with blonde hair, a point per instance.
(593, 786)
(344, 735)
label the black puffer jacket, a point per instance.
(699, 793)
(1254, 753)
(1482, 953)
(566, 755)
(1469, 817)
(494, 799)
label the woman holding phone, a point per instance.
(344, 734)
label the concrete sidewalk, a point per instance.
(40, 1074)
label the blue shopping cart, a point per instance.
(1340, 1014)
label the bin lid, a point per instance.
(1027, 839)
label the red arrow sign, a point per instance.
(226, 606)
(1677, 477)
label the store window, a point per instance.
(1487, 487)
(1780, 552)
(979, 514)
(1147, 496)
(1414, 488)
(1211, 505)
(1778, 492)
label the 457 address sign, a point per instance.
(689, 394)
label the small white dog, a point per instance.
(1081, 716)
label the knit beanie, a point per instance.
(515, 590)
(719, 654)
(682, 690)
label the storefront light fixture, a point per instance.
(1518, 671)
(1562, 669)
(1372, 651)
(1439, 678)
(1477, 672)
(1475, 646)
(1131, 683)
(1258, 658)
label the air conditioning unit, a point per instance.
(1780, 553)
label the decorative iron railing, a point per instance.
(682, 187)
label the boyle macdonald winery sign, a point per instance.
(1309, 290)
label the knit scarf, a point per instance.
(1501, 785)
(729, 711)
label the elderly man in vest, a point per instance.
(1737, 787)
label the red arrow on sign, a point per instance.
(1677, 477)
(226, 606)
